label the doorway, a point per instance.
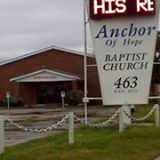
(50, 92)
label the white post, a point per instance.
(8, 103)
(63, 94)
(126, 119)
(121, 123)
(157, 118)
(63, 103)
(8, 96)
(1, 134)
(85, 59)
(85, 101)
(71, 128)
(86, 113)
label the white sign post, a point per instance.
(1, 134)
(63, 94)
(157, 116)
(71, 128)
(8, 96)
(124, 44)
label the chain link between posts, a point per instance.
(142, 118)
(50, 128)
(77, 119)
(105, 123)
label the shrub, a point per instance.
(74, 97)
(15, 101)
(1, 103)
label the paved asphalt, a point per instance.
(39, 118)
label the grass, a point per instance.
(137, 143)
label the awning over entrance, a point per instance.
(45, 75)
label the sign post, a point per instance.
(124, 36)
(8, 96)
(1, 134)
(121, 120)
(63, 94)
(71, 128)
(85, 99)
(157, 116)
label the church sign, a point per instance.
(124, 36)
(107, 8)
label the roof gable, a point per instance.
(45, 75)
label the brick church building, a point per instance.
(39, 77)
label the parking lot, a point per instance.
(37, 118)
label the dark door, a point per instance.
(49, 92)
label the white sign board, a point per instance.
(124, 46)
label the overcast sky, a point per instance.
(29, 25)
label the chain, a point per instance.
(77, 119)
(64, 119)
(50, 128)
(142, 118)
(105, 123)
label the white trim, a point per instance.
(44, 50)
(64, 76)
(154, 97)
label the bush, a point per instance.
(14, 101)
(1, 103)
(74, 97)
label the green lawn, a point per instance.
(136, 143)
